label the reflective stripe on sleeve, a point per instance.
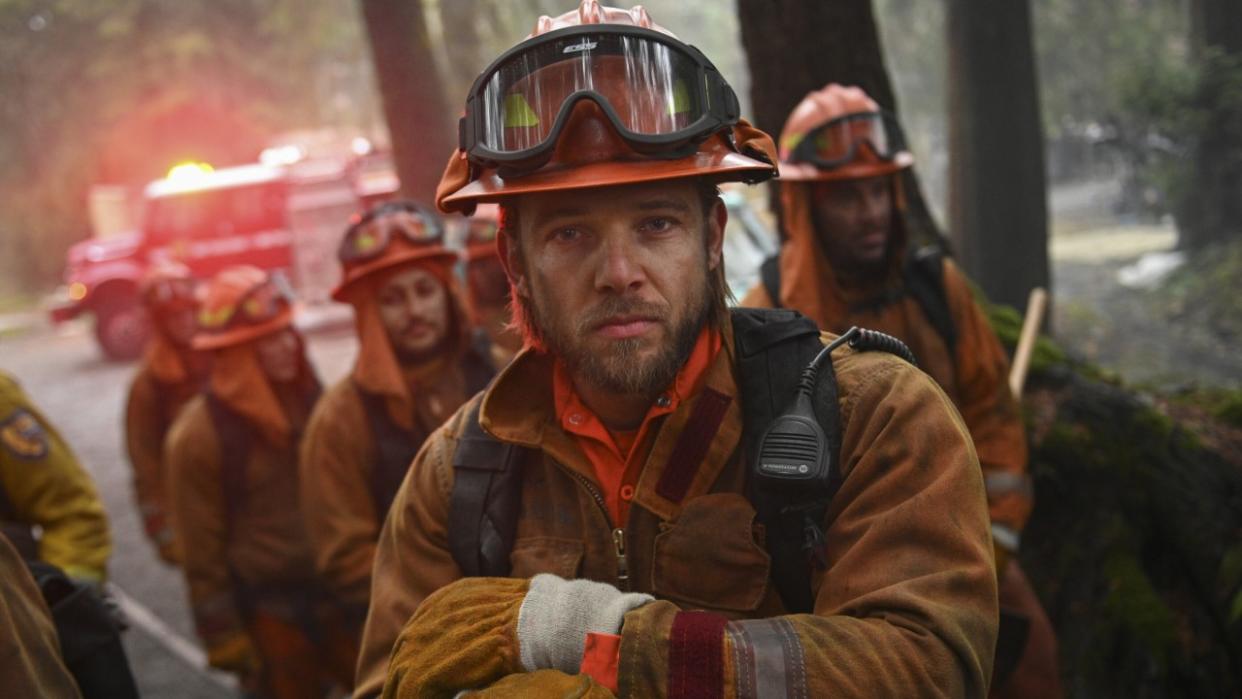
(768, 658)
(1006, 537)
(1005, 483)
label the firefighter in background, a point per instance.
(487, 288)
(42, 484)
(170, 375)
(232, 467)
(415, 366)
(846, 260)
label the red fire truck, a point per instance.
(279, 217)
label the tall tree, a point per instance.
(1211, 208)
(793, 47)
(419, 119)
(998, 211)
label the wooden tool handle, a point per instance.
(1035, 307)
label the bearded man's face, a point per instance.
(615, 280)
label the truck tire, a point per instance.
(121, 327)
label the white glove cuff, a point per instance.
(557, 615)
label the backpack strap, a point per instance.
(772, 348)
(395, 449)
(770, 277)
(234, 437)
(89, 634)
(923, 274)
(486, 497)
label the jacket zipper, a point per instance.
(618, 534)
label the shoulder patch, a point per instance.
(23, 436)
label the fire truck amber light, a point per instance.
(188, 171)
(77, 291)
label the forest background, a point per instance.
(1122, 118)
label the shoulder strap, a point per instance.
(89, 634)
(772, 348)
(770, 276)
(924, 278)
(486, 497)
(395, 448)
(234, 437)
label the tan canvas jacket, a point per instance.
(906, 607)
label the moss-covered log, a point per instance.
(1135, 543)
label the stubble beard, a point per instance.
(621, 369)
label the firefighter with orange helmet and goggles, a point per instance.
(232, 461)
(487, 287)
(415, 367)
(846, 260)
(170, 375)
(585, 525)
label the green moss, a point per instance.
(1007, 324)
(1133, 603)
(1223, 404)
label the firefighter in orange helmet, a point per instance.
(232, 462)
(415, 367)
(171, 373)
(846, 260)
(487, 287)
(585, 526)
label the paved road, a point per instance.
(85, 396)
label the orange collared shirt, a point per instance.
(616, 465)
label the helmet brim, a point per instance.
(719, 165)
(857, 170)
(407, 256)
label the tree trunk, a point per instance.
(461, 43)
(997, 189)
(419, 120)
(794, 47)
(1210, 209)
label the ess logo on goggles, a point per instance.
(662, 96)
(262, 303)
(837, 142)
(369, 236)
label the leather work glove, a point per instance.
(235, 653)
(543, 683)
(476, 631)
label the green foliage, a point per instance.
(71, 71)
(1205, 291)
(1090, 54)
(1007, 323)
(1136, 607)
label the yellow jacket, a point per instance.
(42, 483)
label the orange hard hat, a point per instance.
(242, 303)
(168, 285)
(839, 133)
(389, 235)
(588, 150)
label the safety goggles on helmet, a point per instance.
(481, 231)
(370, 235)
(663, 97)
(173, 292)
(836, 142)
(262, 303)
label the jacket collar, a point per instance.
(520, 408)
